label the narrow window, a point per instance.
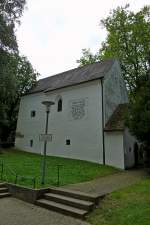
(33, 113)
(67, 142)
(31, 143)
(59, 108)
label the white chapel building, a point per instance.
(86, 121)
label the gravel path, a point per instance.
(17, 212)
(108, 184)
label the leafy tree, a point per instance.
(7, 89)
(138, 118)
(128, 40)
(10, 12)
(87, 58)
(16, 73)
(24, 79)
(13, 86)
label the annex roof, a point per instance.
(116, 121)
(72, 77)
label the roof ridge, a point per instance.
(76, 68)
(74, 76)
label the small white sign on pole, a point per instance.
(45, 137)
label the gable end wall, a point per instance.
(115, 91)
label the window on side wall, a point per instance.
(59, 105)
(31, 143)
(68, 142)
(33, 113)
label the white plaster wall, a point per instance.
(85, 134)
(114, 90)
(114, 150)
(129, 142)
(30, 127)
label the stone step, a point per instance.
(2, 185)
(5, 194)
(75, 194)
(61, 208)
(78, 203)
(3, 189)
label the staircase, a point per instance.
(68, 202)
(4, 191)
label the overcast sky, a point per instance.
(54, 32)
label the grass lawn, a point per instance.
(29, 165)
(130, 206)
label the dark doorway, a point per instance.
(136, 155)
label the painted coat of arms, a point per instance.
(78, 109)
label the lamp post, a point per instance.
(48, 105)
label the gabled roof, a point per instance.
(72, 77)
(116, 121)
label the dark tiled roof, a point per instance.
(75, 76)
(116, 121)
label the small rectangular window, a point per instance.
(67, 142)
(33, 113)
(31, 143)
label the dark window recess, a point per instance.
(59, 108)
(67, 142)
(31, 143)
(33, 113)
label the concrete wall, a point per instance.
(114, 150)
(129, 142)
(80, 121)
(114, 90)
(26, 194)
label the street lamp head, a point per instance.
(48, 104)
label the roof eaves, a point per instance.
(71, 85)
(34, 92)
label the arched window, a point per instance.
(59, 106)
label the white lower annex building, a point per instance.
(86, 121)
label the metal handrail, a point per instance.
(16, 175)
(5, 169)
(33, 179)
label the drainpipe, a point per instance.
(103, 122)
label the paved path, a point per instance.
(105, 185)
(17, 212)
